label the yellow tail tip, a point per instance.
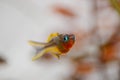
(30, 42)
(33, 59)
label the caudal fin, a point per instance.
(34, 43)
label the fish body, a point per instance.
(57, 44)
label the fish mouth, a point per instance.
(72, 37)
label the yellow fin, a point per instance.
(51, 36)
(56, 55)
(52, 50)
(40, 54)
(34, 43)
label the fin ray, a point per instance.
(34, 43)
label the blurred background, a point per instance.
(94, 56)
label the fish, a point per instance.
(57, 45)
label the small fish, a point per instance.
(57, 45)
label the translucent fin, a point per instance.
(40, 54)
(34, 43)
(56, 55)
(52, 50)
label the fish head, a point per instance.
(67, 40)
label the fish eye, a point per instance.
(66, 38)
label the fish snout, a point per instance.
(72, 37)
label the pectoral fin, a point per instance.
(56, 55)
(54, 51)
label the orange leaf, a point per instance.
(84, 68)
(64, 11)
(108, 53)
